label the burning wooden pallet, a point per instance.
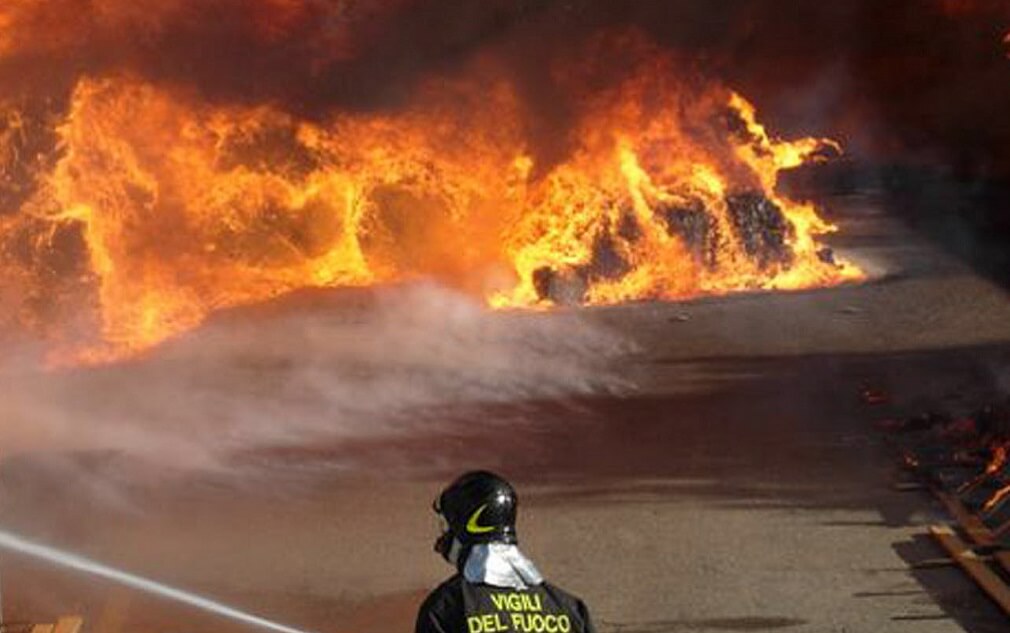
(965, 463)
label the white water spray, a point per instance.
(18, 544)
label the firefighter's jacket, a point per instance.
(481, 601)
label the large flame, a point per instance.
(148, 207)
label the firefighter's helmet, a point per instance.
(479, 507)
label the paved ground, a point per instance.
(739, 486)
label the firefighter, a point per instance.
(496, 588)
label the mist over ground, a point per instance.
(315, 369)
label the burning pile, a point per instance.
(133, 205)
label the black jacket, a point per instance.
(458, 606)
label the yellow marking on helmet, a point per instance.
(473, 527)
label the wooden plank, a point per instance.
(971, 524)
(977, 531)
(980, 572)
(69, 624)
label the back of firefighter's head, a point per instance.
(479, 507)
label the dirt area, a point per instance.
(738, 486)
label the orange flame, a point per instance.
(999, 459)
(1000, 454)
(186, 207)
(996, 499)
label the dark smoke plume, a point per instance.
(924, 77)
(308, 55)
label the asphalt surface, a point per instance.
(736, 482)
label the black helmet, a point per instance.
(479, 507)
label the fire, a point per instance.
(996, 499)
(999, 458)
(151, 207)
(646, 211)
(1000, 455)
(1000, 452)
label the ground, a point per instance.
(739, 484)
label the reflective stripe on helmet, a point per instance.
(473, 527)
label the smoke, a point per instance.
(309, 55)
(313, 56)
(313, 370)
(923, 77)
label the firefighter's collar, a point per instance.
(501, 565)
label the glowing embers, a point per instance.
(967, 459)
(989, 489)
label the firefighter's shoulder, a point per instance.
(443, 608)
(570, 603)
